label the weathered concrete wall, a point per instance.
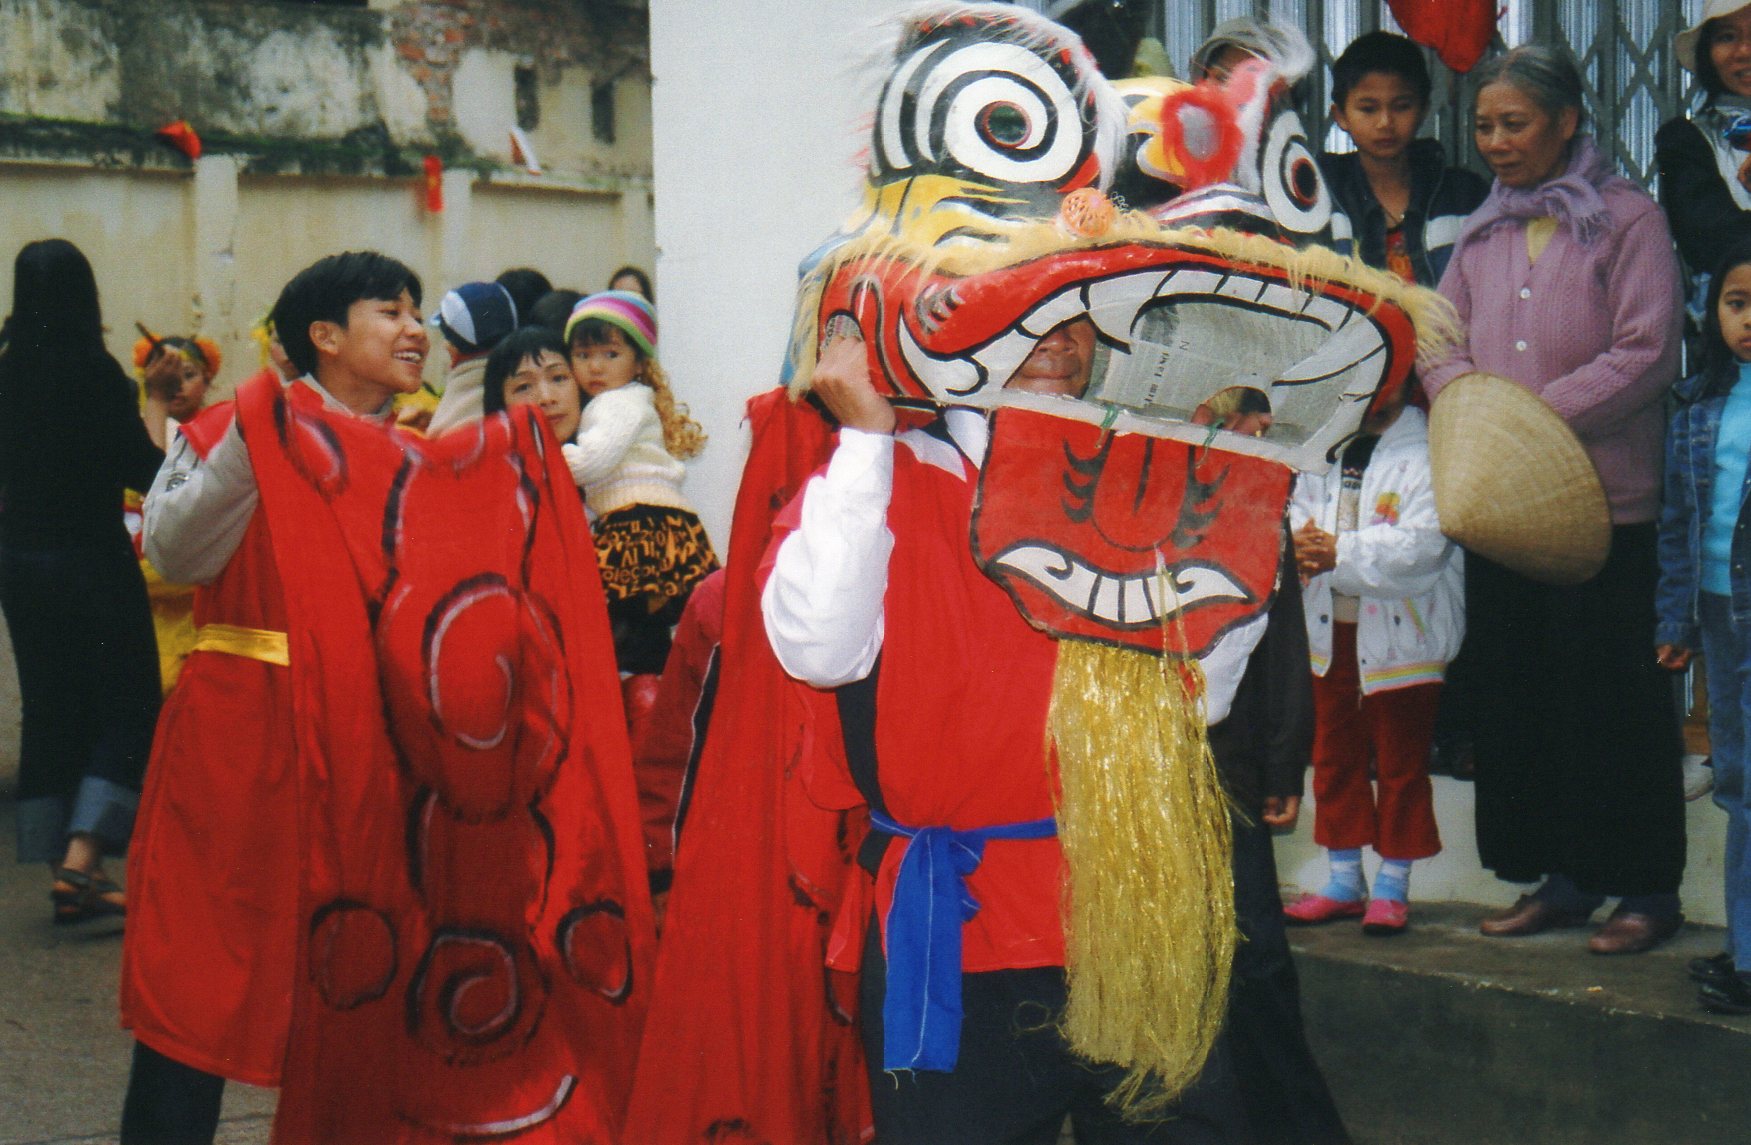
(324, 88)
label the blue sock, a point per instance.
(1346, 876)
(1393, 881)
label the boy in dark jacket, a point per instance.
(1399, 206)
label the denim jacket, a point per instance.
(1684, 509)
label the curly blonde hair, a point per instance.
(682, 436)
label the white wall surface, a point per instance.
(755, 139)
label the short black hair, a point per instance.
(553, 308)
(1380, 52)
(528, 342)
(187, 347)
(644, 282)
(525, 285)
(325, 290)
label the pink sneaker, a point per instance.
(1311, 909)
(1386, 917)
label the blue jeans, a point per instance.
(1727, 661)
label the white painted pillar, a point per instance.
(755, 128)
(215, 239)
(638, 229)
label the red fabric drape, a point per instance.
(751, 1038)
(475, 941)
(1459, 30)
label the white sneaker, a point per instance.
(1699, 777)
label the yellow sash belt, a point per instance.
(250, 643)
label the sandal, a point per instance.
(79, 896)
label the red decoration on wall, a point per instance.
(182, 137)
(1459, 30)
(434, 184)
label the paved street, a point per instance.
(63, 1058)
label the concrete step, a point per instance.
(1441, 1036)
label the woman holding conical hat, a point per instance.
(1567, 282)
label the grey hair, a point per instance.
(1545, 73)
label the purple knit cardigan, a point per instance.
(1592, 328)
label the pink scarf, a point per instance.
(1572, 198)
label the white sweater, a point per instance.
(618, 456)
(1409, 577)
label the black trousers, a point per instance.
(1016, 1079)
(169, 1103)
(1281, 1085)
(1577, 741)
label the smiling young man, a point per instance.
(212, 938)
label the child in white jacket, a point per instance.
(1385, 606)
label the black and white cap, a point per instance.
(476, 316)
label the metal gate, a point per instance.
(1624, 48)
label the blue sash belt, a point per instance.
(921, 1014)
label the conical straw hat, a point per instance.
(1512, 482)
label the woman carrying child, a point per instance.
(631, 441)
(1385, 614)
(624, 448)
(1704, 598)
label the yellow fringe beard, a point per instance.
(1144, 823)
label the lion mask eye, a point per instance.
(1289, 178)
(992, 111)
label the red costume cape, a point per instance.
(751, 1038)
(207, 958)
(474, 938)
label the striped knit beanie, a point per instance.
(624, 310)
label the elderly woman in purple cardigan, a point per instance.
(1567, 281)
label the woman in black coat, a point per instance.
(1704, 159)
(71, 438)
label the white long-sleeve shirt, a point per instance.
(823, 603)
(198, 508)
